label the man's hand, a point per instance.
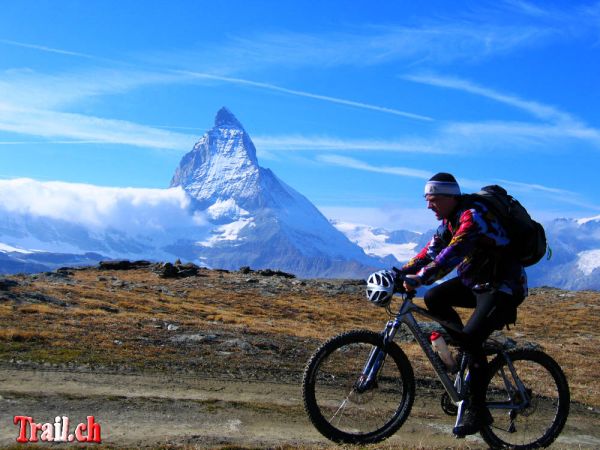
(413, 284)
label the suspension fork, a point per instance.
(376, 359)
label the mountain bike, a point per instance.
(359, 386)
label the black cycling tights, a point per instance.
(493, 310)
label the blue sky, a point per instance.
(354, 104)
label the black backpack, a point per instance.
(527, 237)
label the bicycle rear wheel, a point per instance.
(343, 412)
(522, 423)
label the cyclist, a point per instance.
(489, 279)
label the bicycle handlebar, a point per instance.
(400, 279)
(411, 282)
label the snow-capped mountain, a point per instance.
(222, 172)
(575, 255)
(574, 261)
(224, 210)
(257, 219)
(392, 246)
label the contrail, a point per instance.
(273, 87)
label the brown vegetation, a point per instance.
(241, 323)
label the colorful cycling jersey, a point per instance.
(472, 241)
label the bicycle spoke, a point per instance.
(342, 406)
(529, 401)
(351, 395)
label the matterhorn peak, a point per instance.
(225, 118)
(221, 165)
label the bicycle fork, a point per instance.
(369, 373)
(375, 361)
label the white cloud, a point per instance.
(528, 136)
(31, 103)
(537, 109)
(537, 187)
(436, 42)
(352, 163)
(471, 34)
(558, 124)
(574, 19)
(47, 142)
(449, 138)
(54, 124)
(467, 184)
(557, 195)
(126, 209)
(527, 8)
(390, 217)
(298, 142)
(28, 88)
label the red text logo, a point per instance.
(30, 431)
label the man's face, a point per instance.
(441, 205)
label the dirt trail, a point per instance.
(149, 410)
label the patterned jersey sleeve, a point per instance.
(460, 246)
(435, 245)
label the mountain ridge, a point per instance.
(223, 210)
(574, 261)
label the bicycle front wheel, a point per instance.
(532, 420)
(342, 410)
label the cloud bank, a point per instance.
(130, 210)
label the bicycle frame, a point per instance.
(405, 316)
(455, 389)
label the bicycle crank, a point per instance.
(448, 405)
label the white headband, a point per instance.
(442, 188)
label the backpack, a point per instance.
(527, 237)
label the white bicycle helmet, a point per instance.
(380, 287)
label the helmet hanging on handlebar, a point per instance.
(380, 287)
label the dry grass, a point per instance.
(19, 335)
(119, 317)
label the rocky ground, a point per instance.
(182, 356)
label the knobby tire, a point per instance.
(540, 423)
(334, 406)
